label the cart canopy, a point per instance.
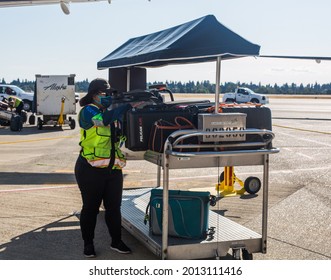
(200, 40)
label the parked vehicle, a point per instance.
(244, 95)
(10, 90)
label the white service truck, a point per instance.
(244, 95)
(55, 100)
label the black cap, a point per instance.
(99, 85)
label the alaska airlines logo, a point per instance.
(55, 86)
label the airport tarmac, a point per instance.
(40, 201)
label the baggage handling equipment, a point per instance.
(224, 234)
(54, 101)
(57, 120)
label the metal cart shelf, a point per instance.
(226, 234)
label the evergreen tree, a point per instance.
(207, 87)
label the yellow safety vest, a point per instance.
(16, 101)
(96, 147)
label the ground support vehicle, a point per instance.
(55, 101)
(225, 235)
(244, 95)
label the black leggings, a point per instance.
(99, 185)
(19, 108)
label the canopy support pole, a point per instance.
(218, 83)
(128, 78)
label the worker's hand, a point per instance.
(115, 114)
(120, 112)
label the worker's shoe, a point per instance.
(89, 251)
(120, 247)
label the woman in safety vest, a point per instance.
(98, 169)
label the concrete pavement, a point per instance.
(40, 201)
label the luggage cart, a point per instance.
(225, 234)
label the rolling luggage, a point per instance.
(188, 213)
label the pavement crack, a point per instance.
(300, 247)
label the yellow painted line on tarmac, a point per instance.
(302, 129)
(64, 171)
(36, 140)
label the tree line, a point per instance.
(208, 87)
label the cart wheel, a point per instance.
(236, 254)
(252, 185)
(72, 123)
(16, 123)
(24, 116)
(246, 255)
(212, 200)
(32, 119)
(40, 124)
(222, 177)
(241, 254)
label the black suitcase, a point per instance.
(257, 117)
(139, 122)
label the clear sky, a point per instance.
(43, 40)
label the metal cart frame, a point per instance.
(227, 234)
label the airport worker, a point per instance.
(17, 103)
(98, 169)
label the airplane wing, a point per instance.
(318, 59)
(65, 4)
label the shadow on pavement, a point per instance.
(61, 240)
(30, 130)
(24, 178)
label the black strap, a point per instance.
(112, 152)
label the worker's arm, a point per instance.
(91, 116)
